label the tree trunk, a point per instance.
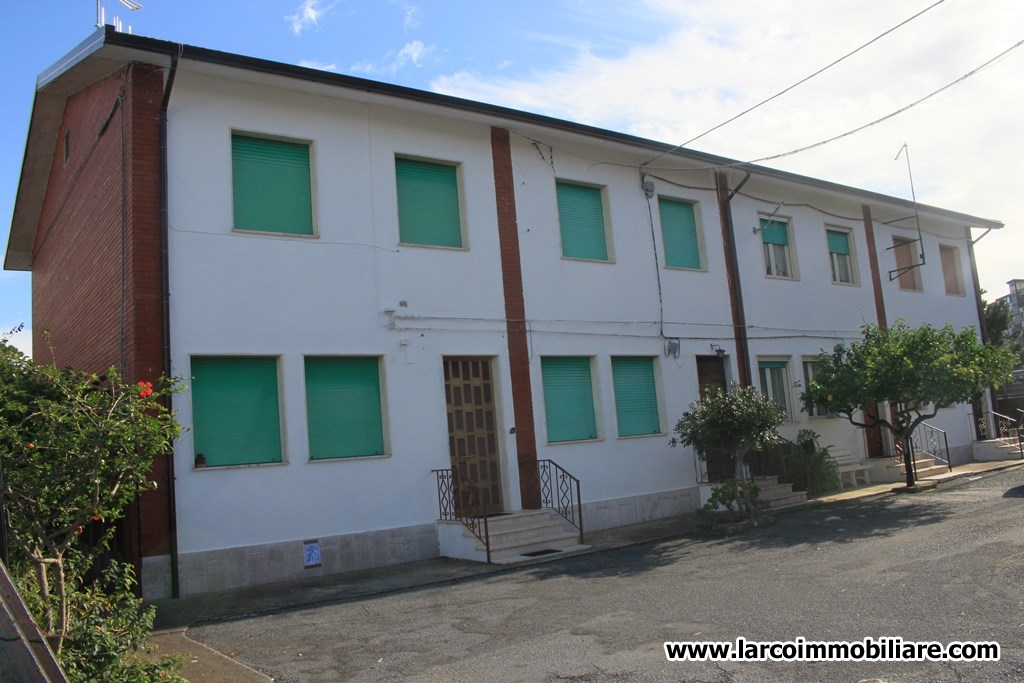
(908, 459)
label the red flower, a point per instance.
(30, 445)
(96, 518)
(145, 389)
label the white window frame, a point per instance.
(851, 257)
(816, 412)
(771, 252)
(776, 387)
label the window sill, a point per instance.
(581, 259)
(270, 233)
(782, 277)
(846, 284)
(641, 436)
(239, 466)
(559, 443)
(349, 458)
(442, 247)
(685, 269)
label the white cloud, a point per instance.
(413, 53)
(315, 64)
(721, 58)
(411, 17)
(307, 15)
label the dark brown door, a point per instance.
(710, 373)
(473, 434)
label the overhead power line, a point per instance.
(800, 82)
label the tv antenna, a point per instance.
(893, 274)
(101, 18)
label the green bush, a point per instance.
(812, 468)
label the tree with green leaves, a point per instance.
(737, 422)
(915, 370)
(75, 450)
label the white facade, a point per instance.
(353, 289)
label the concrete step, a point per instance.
(792, 499)
(514, 537)
(935, 469)
(512, 557)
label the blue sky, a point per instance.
(665, 69)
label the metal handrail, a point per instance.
(560, 491)
(1005, 428)
(926, 440)
(459, 500)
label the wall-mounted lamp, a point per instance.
(672, 348)
(719, 351)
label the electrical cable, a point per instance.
(800, 82)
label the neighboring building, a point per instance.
(363, 282)
(1015, 300)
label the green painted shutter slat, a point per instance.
(568, 399)
(838, 242)
(235, 411)
(679, 231)
(271, 185)
(772, 364)
(581, 222)
(428, 204)
(343, 408)
(774, 232)
(636, 399)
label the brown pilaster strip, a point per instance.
(739, 317)
(515, 318)
(876, 277)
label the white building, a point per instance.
(367, 283)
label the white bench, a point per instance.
(851, 469)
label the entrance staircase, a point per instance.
(924, 467)
(775, 496)
(514, 537)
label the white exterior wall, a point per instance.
(352, 289)
(239, 293)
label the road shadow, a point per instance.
(847, 522)
(1015, 492)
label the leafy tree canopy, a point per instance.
(919, 370)
(738, 422)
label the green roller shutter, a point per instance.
(271, 181)
(774, 232)
(636, 399)
(236, 418)
(838, 242)
(343, 407)
(581, 222)
(568, 399)
(428, 204)
(679, 232)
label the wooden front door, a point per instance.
(473, 432)
(710, 373)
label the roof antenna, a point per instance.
(893, 274)
(101, 15)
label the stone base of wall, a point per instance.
(605, 514)
(156, 577)
(215, 570)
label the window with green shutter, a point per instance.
(774, 375)
(271, 185)
(568, 398)
(775, 238)
(343, 407)
(679, 233)
(636, 398)
(428, 204)
(581, 222)
(236, 417)
(840, 256)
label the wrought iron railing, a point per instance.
(559, 490)
(459, 500)
(928, 440)
(1006, 428)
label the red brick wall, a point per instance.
(85, 255)
(515, 314)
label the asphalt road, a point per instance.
(940, 566)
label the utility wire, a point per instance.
(892, 114)
(800, 82)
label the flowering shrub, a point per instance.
(76, 449)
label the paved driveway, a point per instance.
(940, 566)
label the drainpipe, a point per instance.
(166, 305)
(989, 394)
(732, 271)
